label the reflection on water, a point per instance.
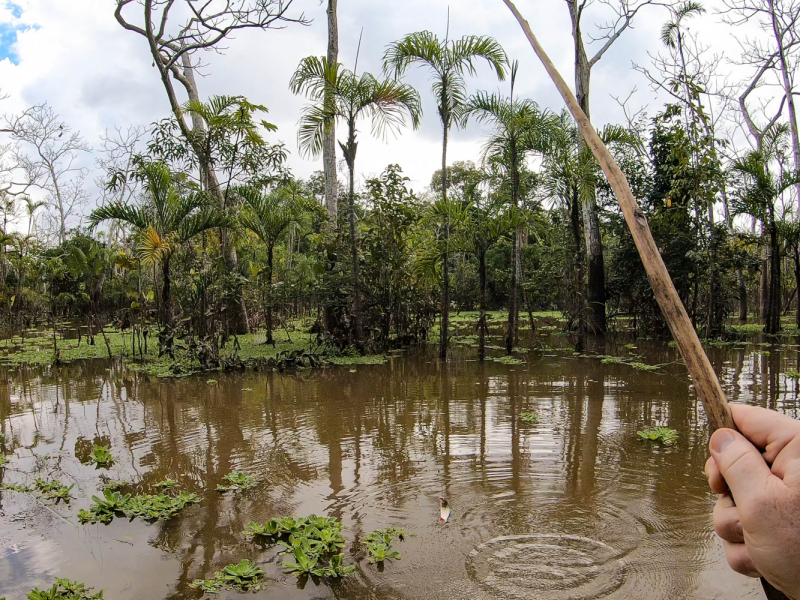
(574, 506)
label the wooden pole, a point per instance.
(705, 380)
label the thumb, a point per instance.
(740, 463)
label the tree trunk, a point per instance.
(797, 283)
(773, 316)
(591, 221)
(166, 293)
(765, 262)
(577, 235)
(270, 253)
(351, 165)
(329, 144)
(444, 333)
(482, 320)
(742, 296)
(513, 300)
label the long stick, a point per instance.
(705, 380)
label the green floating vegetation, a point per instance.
(54, 490)
(622, 360)
(114, 485)
(792, 374)
(663, 435)
(315, 544)
(64, 589)
(374, 359)
(167, 484)
(3, 462)
(237, 481)
(379, 544)
(149, 507)
(101, 457)
(243, 576)
(529, 417)
(508, 360)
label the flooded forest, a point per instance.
(298, 360)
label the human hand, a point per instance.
(760, 469)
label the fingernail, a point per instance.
(721, 440)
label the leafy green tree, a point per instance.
(270, 216)
(449, 62)
(341, 95)
(519, 128)
(480, 227)
(168, 219)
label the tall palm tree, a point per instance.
(339, 94)
(758, 196)
(168, 220)
(270, 216)
(449, 62)
(519, 127)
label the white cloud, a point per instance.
(97, 75)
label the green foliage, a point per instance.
(101, 457)
(237, 481)
(243, 576)
(663, 435)
(627, 360)
(64, 589)
(158, 507)
(792, 374)
(529, 417)
(380, 551)
(314, 542)
(54, 490)
(508, 360)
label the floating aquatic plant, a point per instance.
(387, 535)
(314, 542)
(150, 507)
(3, 462)
(790, 374)
(115, 484)
(508, 360)
(663, 435)
(529, 417)
(380, 551)
(54, 490)
(167, 484)
(243, 576)
(101, 456)
(237, 481)
(64, 589)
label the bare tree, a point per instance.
(117, 152)
(621, 16)
(774, 56)
(47, 152)
(201, 25)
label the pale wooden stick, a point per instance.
(705, 380)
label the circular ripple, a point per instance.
(546, 567)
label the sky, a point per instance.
(96, 75)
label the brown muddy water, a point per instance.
(574, 506)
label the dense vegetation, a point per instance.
(202, 233)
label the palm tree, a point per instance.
(340, 95)
(449, 61)
(571, 176)
(758, 195)
(168, 220)
(269, 217)
(519, 128)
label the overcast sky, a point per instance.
(73, 55)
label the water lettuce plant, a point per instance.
(101, 456)
(149, 507)
(313, 542)
(387, 535)
(64, 589)
(529, 417)
(380, 551)
(237, 481)
(167, 484)
(243, 576)
(663, 435)
(54, 490)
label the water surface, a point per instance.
(574, 506)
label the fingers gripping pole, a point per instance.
(705, 380)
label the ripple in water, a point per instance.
(546, 567)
